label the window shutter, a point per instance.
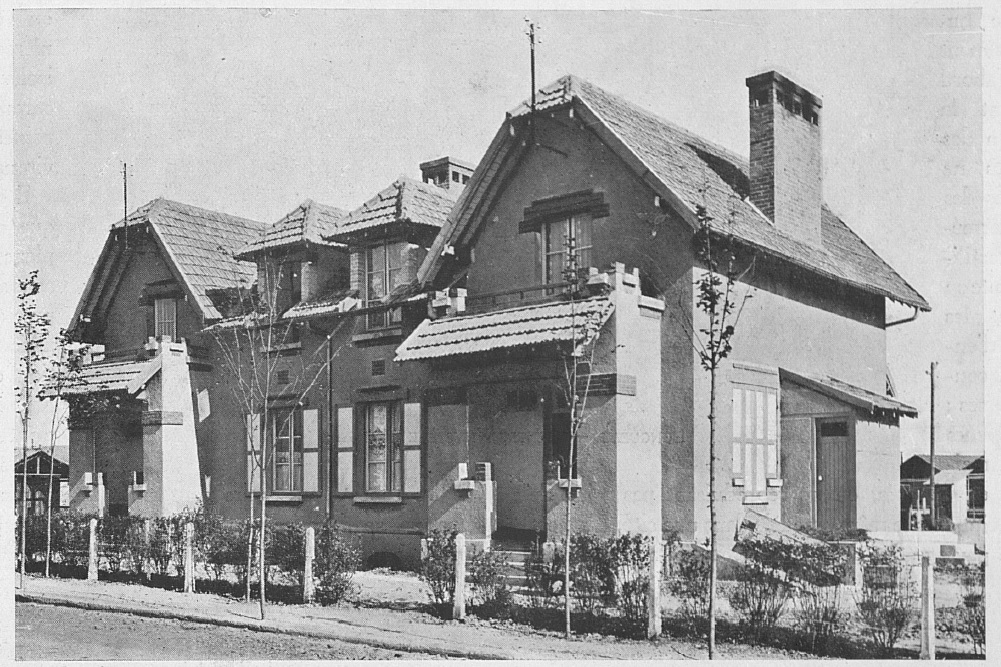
(345, 449)
(253, 450)
(311, 450)
(411, 447)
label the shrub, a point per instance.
(689, 582)
(490, 586)
(886, 603)
(158, 548)
(973, 610)
(285, 548)
(762, 590)
(71, 539)
(438, 569)
(629, 557)
(544, 576)
(592, 579)
(121, 541)
(337, 558)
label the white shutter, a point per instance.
(253, 450)
(345, 449)
(311, 450)
(412, 448)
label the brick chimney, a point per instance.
(786, 166)
(447, 173)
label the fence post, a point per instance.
(307, 575)
(189, 558)
(653, 596)
(927, 609)
(459, 606)
(92, 557)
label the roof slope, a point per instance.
(105, 377)
(849, 393)
(201, 244)
(531, 325)
(691, 172)
(949, 461)
(307, 223)
(405, 200)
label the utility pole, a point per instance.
(931, 479)
(125, 202)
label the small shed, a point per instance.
(39, 464)
(959, 489)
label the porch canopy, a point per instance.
(849, 393)
(108, 377)
(556, 322)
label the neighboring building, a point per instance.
(420, 362)
(39, 465)
(959, 490)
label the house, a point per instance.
(40, 466)
(418, 345)
(959, 490)
(808, 432)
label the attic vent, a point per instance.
(378, 367)
(281, 376)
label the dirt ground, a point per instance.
(44, 632)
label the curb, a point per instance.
(255, 626)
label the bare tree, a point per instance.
(577, 364)
(252, 341)
(32, 330)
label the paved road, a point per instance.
(45, 632)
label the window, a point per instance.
(559, 429)
(165, 316)
(755, 456)
(385, 271)
(378, 367)
(975, 497)
(286, 438)
(558, 235)
(382, 441)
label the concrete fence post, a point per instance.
(927, 608)
(459, 606)
(653, 596)
(92, 555)
(424, 549)
(308, 586)
(189, 558)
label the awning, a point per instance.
(556, 322)
(109, 377)
(849, 393)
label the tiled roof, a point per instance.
(201, 244)
(548, 323)
(112, 376)
(950, 461)
(307, 223)
(849, 393)
(697, 172)
(338, 301)
(406, 200)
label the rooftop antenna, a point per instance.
(530, 31)
(125, 202)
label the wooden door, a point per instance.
(835, 474)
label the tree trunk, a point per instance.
(567, 601)
(24, 463)
(48, 510)
(262, 570)
(250, 546)
(712, 512)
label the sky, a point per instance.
(250, 112)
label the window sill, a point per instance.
(285, 348)
(574, 483)
(756, 500)
(378, 335)
(378, 500)
(775, 482)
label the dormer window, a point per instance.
(165, 317)
(385, 270)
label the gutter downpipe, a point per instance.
(903, 321)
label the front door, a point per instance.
(835, 474)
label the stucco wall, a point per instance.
(877, 453)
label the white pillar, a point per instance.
(189, 558)
(308, 588)
(459, 606)
(653, 596)
(927, 609)
(92, 557)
